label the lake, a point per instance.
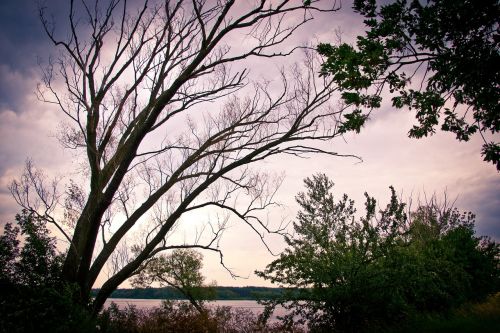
(151, 303)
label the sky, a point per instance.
(415, 168)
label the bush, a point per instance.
(34, 298)
(469, 318)
(45, 309)
(346, 273)
(183, 317)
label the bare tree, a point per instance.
(139, 92)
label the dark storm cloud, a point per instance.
(23, 42)
(485, 203)
(22, 122)
(21, 34)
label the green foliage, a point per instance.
(181, 270)
(491, 152)
(182, 317)
(481, 317)
(43, 309)
(345, 273)
(37, 263)
(9, 251)
(333, 263)
(34, 299)
(353, 122)
(450, 46)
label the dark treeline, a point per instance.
(221, 293)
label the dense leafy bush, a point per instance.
(348, 274)
(474, 317)
(33, 297)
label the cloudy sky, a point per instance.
(414, 167)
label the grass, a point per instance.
(481, 317)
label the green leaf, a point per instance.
(353, 121)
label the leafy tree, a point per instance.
(446, 264)
(9, 251)
(182, 270)
(138, 84)
(36, 263)
(348, 275)
(34, 297)
(450, 47)
(332, 263)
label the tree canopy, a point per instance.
(180, 269)
(438, 57)
(36, 263)
(34, 297)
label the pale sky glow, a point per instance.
(436, 164)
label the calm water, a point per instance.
(151, 303)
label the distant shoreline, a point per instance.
(250, 293)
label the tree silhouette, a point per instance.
(180, 269)
(139, 87)
(343, 272)
(438, 57)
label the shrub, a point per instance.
(34, 299)
(183, 317)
